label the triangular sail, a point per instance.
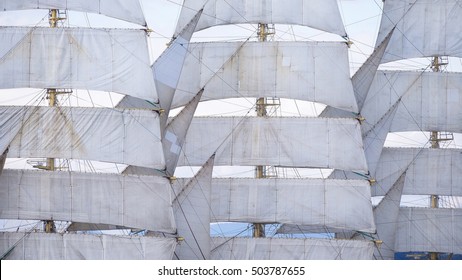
(193, 216)
(386, 218)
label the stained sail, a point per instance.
(311, 71)
(100, 134)
(130, 201)
(293, 249)
(114, 60)
(44, 246)
(299, 12)
(275, 141)
(128, 10)
(426, 28)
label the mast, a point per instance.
(261, 108)
(435, 139)
(51, 96)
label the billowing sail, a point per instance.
(293, 249)
(429, 101)
(99, 134)
(43, 246)
(114, 60)
(128, 10)
(312, 71)
(293, 142)
(139, 202)
(429, 230)
(324, 15)
(339, 204)
(428, 171)
(423, 28)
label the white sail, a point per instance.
(428, 171)
(100, 134)
(175, 134)
(429, 101)
(44, 246)
(293, 249)
(386, 218)
(339, 204)
(429, 230)
(114, 60)
(312, 71)
(275, 141)
(426, 28)
(323, 15)
(192, 213)
(128, 10)
(130, 201)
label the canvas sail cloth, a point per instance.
(312, 71)
(428, 171)
(299, 12)
(192, 214)
(429, 101)
(100, 134)
(166, 72)
(114, 60)
(429, 230)
(276, 142)
(46, 246)
(426, 28)
(319, 204)
(128, 10)
(140, 202)
(290, 249)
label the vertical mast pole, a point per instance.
(435, 144)
(259, 229)
(51, 95)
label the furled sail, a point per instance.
(132, 201)
(192, 214)
(429, 230)
(128, 10)
(114, 60)
(46, 246)
(275, 141)
(312, 71)
(339, 204)
(293, 249)
(100, 134)
(424, 28)
(299, 12)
